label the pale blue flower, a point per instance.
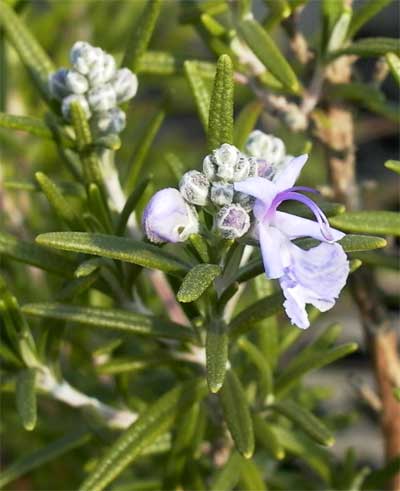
(315, 276)
(169, 218)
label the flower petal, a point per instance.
(288, 175)
(294, 227)
(258, 187)
(314, 277)
(274, 250)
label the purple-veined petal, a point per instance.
(274, 250)
(314, 277)
(258, 187)
(288, 175)
(168, 218)
(294, 227)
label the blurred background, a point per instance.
(57, 25)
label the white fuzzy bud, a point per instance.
(125, 84)
(66, 105)
(221, 193)
(244, 200)
(57, 84)
(233, 221)
(241, 169)
(76, 82)
(83, 56)
(112, 121)
(226, 157)
(209, 168)
(265, 146)
(102, 71)
(102, 98)
(194, 187)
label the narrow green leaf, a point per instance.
(305, 420)
(138, 158)
(237, 414)
(267, 438)
(43, 455)
(99, 208)
(120, 248)
(290, 376)
(245, 122)
(329, 209)
(3, 71)
(130, 205)
(379, 259)
(370, 222)
(114, 319)
(268, 53)
(156, 420)
(58, 202)
(141, 35)
(76, 287)
(257, 311)
(196, 282)
(220, 123)
(35, 255)
(29, 50)
(370, 47)
(277, 11)
(7, 355)
(367, 10)
(84, 140)
(201, 90)
(394, 65)
(200, 246)
(331, 11)
(300, 445)
(263, 367)
(29, 124)
(88, 267)
(216, 354)
(26, 397)
(250, 476)
(350, 243)
(393, 165)
(163, 63)
(227, 478)
(340, 29)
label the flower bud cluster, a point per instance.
(269, 148)
(214, 186)
(94, 81)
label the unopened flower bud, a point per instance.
(102, 98)
(66, 105)
(233, 221)
(112, 121)
(83, 56)
(209, 168)
(265, 146)
(264, 169)
(168, 218)
(244, 200)
(241, 169)
(102, 71)
(221, 193)
(125, 84)
(226, 157)
(194, 187)
(76, 82)
(57, 84)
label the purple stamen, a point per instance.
(290, 194)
